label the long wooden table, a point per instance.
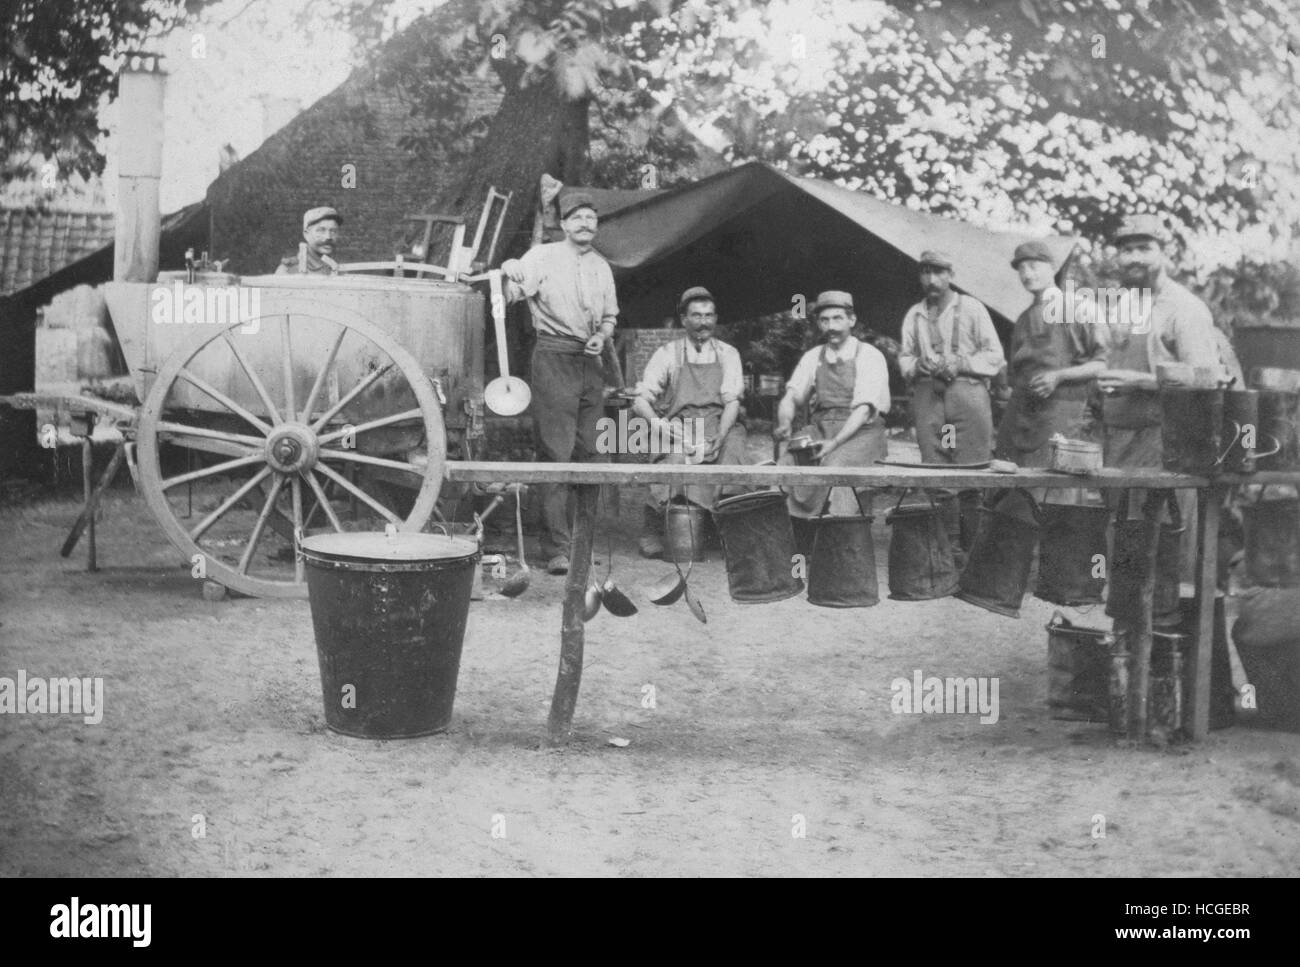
(589, 476)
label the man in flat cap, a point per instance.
(950, 354)
(695, 384)
(1055, 357)
(844, 384)
(320, 232)
(1158, 321)
(570, 293)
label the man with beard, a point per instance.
(1055, 356)
(845, 385)
(696, 383)
(320, 231)
(570, 293)
(950, 353)
(1158, 321)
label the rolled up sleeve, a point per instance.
(871, 383)
(733, 377)
(656, 376)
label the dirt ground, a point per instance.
(769, 721)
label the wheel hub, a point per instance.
(292, 448)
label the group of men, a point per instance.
(1060, 364)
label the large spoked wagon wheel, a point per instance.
(312, 421)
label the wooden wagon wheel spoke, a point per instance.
(362, 385)
(286, 362)
(206, 523)
(246, 558)
(351, 456)
(165, 426)
(359, 493)
(258, 387)
(216, 468)
(322, 502)
(368, 425)
(299, 572)
(224, 400)
(322, 376)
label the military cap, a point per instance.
(1142, 226)
(937, 259)
(832, 299)
(693, 293)
(314, 215)
(571, 202)
(1032, 251)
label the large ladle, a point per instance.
(506, 395)
(518, 582)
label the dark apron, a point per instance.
(696, 394)
(831, 406)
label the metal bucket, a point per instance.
(1073, 537)
(1191, 429)
(684, 536)
(1240, 428)
(842, 565)
(1078, 671)
(1167, 686)
(997, 573)
(758, 544)
(1128, 560)
(921, 565)
(389, 612)
(1273, 541)
(1279, 424)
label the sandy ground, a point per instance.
(769, 721)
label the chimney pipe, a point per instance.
(141, 86)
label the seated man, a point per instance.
(845, 385)
(320, 231)
(696, 378)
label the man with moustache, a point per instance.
(696, 378)
(950, 353)
(570, 293)
(1169, 325)
(320, 230)
(845, 385)
(1053, 364)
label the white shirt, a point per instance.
(664, 366)
(870, 385)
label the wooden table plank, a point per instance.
(628, 473)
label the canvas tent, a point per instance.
(757, 236)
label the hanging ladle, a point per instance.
(615, 601)
(506, 395)
(518, 582)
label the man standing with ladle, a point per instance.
(570, 291)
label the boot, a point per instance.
(651, 542)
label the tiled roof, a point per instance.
(35, 244)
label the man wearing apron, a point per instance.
(950, 353)
(1055, 357)
(845, 385)
(570, 293)
(1159, 322)
(696, 383)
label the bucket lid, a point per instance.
(371, 546)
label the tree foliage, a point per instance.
(57, 60)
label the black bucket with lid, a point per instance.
(389, 612)
(758, 544)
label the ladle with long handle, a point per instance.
(518, 582)
(506, 395)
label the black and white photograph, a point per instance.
(651, 439)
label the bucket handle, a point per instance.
(1277, 446)
(1059, 621)
(1033, 504)
(903, 496)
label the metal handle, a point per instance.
(499, 319)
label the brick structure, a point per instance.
(257, 205)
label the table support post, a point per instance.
(569, 676)
(1209, 500)
(1139, 682)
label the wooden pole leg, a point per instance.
(1209, 501)
(92, 500)
(1140, 671)
(569, 676)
